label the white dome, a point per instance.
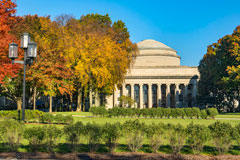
(154, 53)
(152, 44)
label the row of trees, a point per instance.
(75, 56)
(219, 69)
(190, 113)
(134, 133)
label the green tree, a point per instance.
(219, 73)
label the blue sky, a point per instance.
(187, 26)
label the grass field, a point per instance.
(85, 117)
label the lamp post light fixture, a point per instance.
(30, 52)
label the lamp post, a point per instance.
(30, 52)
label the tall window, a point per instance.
(136, 95)
(145, 96)
(164, 98)
(154, 95)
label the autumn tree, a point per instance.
(49, 71)
(99, 52)
(7, 16)
(219, 69)
(9, 72)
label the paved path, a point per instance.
(228, 119)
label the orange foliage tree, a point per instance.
(7, 11)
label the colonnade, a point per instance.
(156, 95)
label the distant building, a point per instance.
(157, 79)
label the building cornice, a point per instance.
(164, 54)
(162, 77)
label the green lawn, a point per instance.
(85, 117)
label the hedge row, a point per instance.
(36, 116)
(155, 112)
(221, 135)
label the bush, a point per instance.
(47, 118)
(93, 133)
(134, 131)
(111, 135)
(73, 133)
(68, 119)
(222, 135)
(174, 113)
(59, 118)
(53, 134)
(198, 135)
(189, 112)
(203, 114)
(236, 134)
(11, 133)
(99, 111)
(35, 137)
(154, 133)
(167, 112)
(177, 135)
(196, 112)
(212, 112)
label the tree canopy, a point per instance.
(220, 73)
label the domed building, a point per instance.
(157, 79)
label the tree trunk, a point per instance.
(71, 103)
(19, 104)
(79, 101)
(50, 104)
(34, 97)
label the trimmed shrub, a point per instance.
(99, 111)
(35, 137)
(221, 135)
(177, 136)
(68, 119)
(111, 135)
(204, 114)
(174, 113)
(47, 118)
(236, 134)
(198, 135)
(196, 112)
(59, 118)
(11, 133)
(154, 134)
(181, 112)
(212, 112)
(73, 132)
(167, 112)
(189, 112)
(134, 131)
(93, 133)
(160, 112)
(53, 134)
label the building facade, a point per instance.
(157, 79)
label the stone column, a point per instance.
(159, 95)
(194, 91)
(132, 93)
(149, 95)
(109, 101)
(186, 95)
(177, 90)
(168, 94)
(141, 95)
(124, 90)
